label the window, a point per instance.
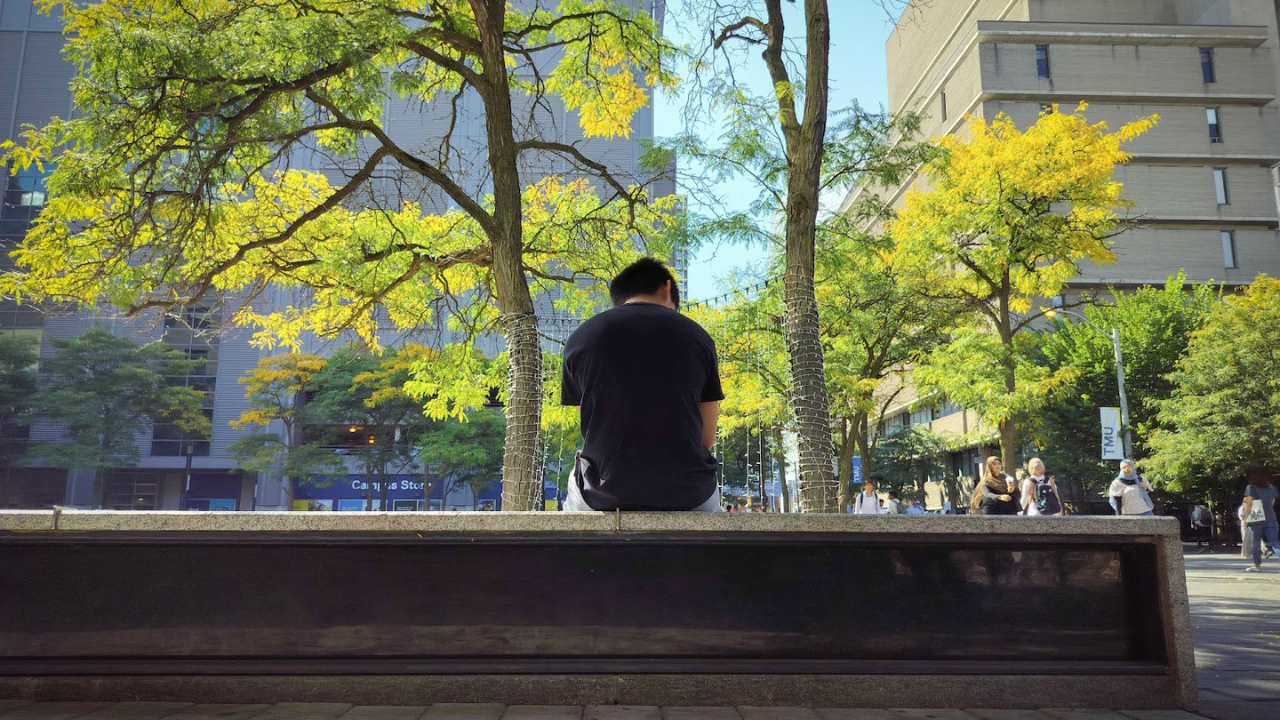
(1042, 61)
(1229, 249)
(171, 440)
(1215, 130)
(196, 318)
(1046, 108)
(943, 101)
(1206, 65)
(1220, 186)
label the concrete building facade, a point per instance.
(1203, 181)
(34, 81)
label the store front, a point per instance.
(405, 493)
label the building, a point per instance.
(1204, 181)
(174, 469)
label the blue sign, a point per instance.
(857, 471)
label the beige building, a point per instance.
(1204, 181)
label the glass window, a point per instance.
(1215, 130)
(1206, 65)
(1042, 60)
(1046, 108)
(1229, 249)
(1220, 185)
(943, 102)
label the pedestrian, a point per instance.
(866, 503)
(1129, 492)
(915, 508)
(1039, 491)
(996, 494)
(1202, 522)
(1260, 511)
(893, 506)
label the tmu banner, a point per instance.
(1112, 448)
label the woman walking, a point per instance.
(998, 495)
(1040, 493)
(1260, 512)
(1129, 492)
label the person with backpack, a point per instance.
(1039, 491)
(867, 503)
(1202, 522)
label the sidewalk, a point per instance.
(1235, 616)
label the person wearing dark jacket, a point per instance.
(999, 496)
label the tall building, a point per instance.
(175, 470)
(1203, 181)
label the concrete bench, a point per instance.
(595, 608)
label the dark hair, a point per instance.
(1259, 475)
(893, 494)
(643, 277)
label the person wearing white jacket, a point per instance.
(866, 503)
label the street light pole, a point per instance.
(1114, 337)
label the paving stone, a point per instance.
(137, 711)
(1160, 715)
(1240, 710)
(679, 712)
(218, 711)
(621, 712)
(993, 714)
(11, 704)
(543, 712)
(1082, 714)
(930, 714)
(854, 714)
(52, 710)
(384, 712)
(465, 711)
(749, 712)
(304, 711)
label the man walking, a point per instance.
(647, 383)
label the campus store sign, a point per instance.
(404, 493)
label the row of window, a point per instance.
(1207, 71)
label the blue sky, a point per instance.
(859, 31)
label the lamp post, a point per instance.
(1114, 336)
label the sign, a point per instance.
(1112, 448)
(857, 472)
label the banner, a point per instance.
(1112, 448)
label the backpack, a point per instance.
(1204, 518)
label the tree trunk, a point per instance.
(521, 461)
(368, 488)
(845, 470)
(804, 138)
(96, 502)
(382, 488)
(780, 456)
(1008, 432)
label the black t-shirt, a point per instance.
(639, 372)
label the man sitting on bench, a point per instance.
(647, 384)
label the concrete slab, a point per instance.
(304, 711)
(930, 714)
(11, 704)
(543, 712)
(1241, 710)
(990, 714)
(776, 713)
(854, 714)
(384, 712)
(679, 712)
(52, 710)
(218, 711)
(1160, 715)
(464, 711)
(137, 711)
(621, 712)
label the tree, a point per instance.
(462, 453)
(172, 183)
(911, 458)
(106, 391)
(1013, 212)
(781, 141)
(1224, 410)
(276, 391)
(362, 393)
(18, 393)
(1155, 325)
